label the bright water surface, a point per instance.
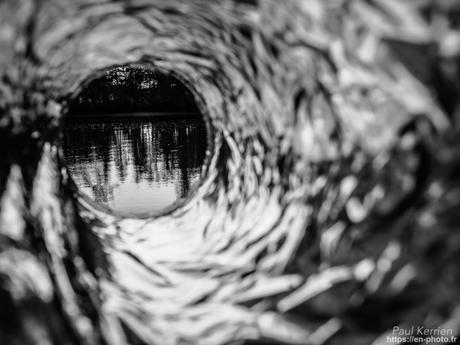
(135, 165)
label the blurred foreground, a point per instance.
(327, 212)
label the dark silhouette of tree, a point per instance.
(150, 149)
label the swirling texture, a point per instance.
(315, 209)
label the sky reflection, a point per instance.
(135, 165)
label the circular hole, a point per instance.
(134, 140)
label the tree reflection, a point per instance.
(105, 154)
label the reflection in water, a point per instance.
(135, 165)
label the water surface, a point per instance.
(135, 165)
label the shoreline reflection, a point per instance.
(135, 165)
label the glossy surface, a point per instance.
(135, 165)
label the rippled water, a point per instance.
(135, 166)
(308, 123)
